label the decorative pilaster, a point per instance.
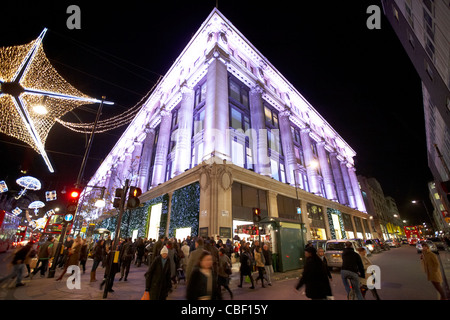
(287, 142)
(216, 123)
(309, 157)
(327, 173)
(184, 133)
(348, 184)
(340, 187)
(159, 168)
(356, 190)
(259, 133)
(146, 158)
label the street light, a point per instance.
(426, 209)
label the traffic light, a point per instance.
(73, 196)
(133, 197)
(256, 215)
(117, 197)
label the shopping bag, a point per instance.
(146, 296)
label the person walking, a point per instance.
(158, 282)
(126, 256)
(321, 255)
(260, 262)
(203, 284)
(185, 249)
(432, 269)
(73, 256)
(352, 269)
(194, 257)
(314, 277)
(18, 263)
(246, 267)
(224, 271)
(44, 254)
(97, 256)
(83, 254)
(268, 263)
(111, 268)
(366, 263)
(140, 252)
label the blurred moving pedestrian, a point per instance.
(352, 269)
(314, 276)
(126, 256)
(97, 256)
(73, 256)
(224, 271)
(260, 262)
(83, 254)
(246, 267)
(366, 263)
(44, 254)
(194, 257)
(140, 252)
(111, 268)
(158, 282)
(185, 249)
(321, 255)
(203, 283)
(432, 269)
(268, 263)
(18, 263)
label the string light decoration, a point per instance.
(27, 79)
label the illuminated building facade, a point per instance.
(226, 124)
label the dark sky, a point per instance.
(361, 81)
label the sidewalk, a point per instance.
(49, 289)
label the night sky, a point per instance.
(361, 81)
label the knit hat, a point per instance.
(164, 250)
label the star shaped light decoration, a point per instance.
(33, 95)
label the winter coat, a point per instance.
(194, 258)
(246, 263)
(351, 261)
(431, 267)
(74, 255)
(197, 286)
(315, 279)
(157, 279)
(224, 261)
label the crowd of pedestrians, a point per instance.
(204, 264)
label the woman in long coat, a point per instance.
(246, 268)
(74, 256)
(158, 277)
(432, 269)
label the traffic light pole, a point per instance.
(52, 270)
(113, 249)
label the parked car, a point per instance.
(392, 243)
(382, 244)
(439, 243)
(430, 244)
(373, 246)
(333, 252)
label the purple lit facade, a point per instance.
(225, 118)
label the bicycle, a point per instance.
(352, 294)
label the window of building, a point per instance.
(200, 94)
(238, 93)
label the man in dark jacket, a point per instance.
(18, 263)
(44, 255)
(157, 279)
(352, 269)
(314, 276)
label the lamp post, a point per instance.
(426, 209)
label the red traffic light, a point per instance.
(74, 194)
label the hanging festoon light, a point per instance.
(36, 205)
(33, 95)
(50, 195)
(28, 183)
(3, 187)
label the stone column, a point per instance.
(309, 157)
(162, 148)
(340, 187)
(136, 162)
(259, 133)
(327, 173)
(216, 133)
(184, 133)
(287, 142)
(348, 185)
(146, 159)
(356, 190)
